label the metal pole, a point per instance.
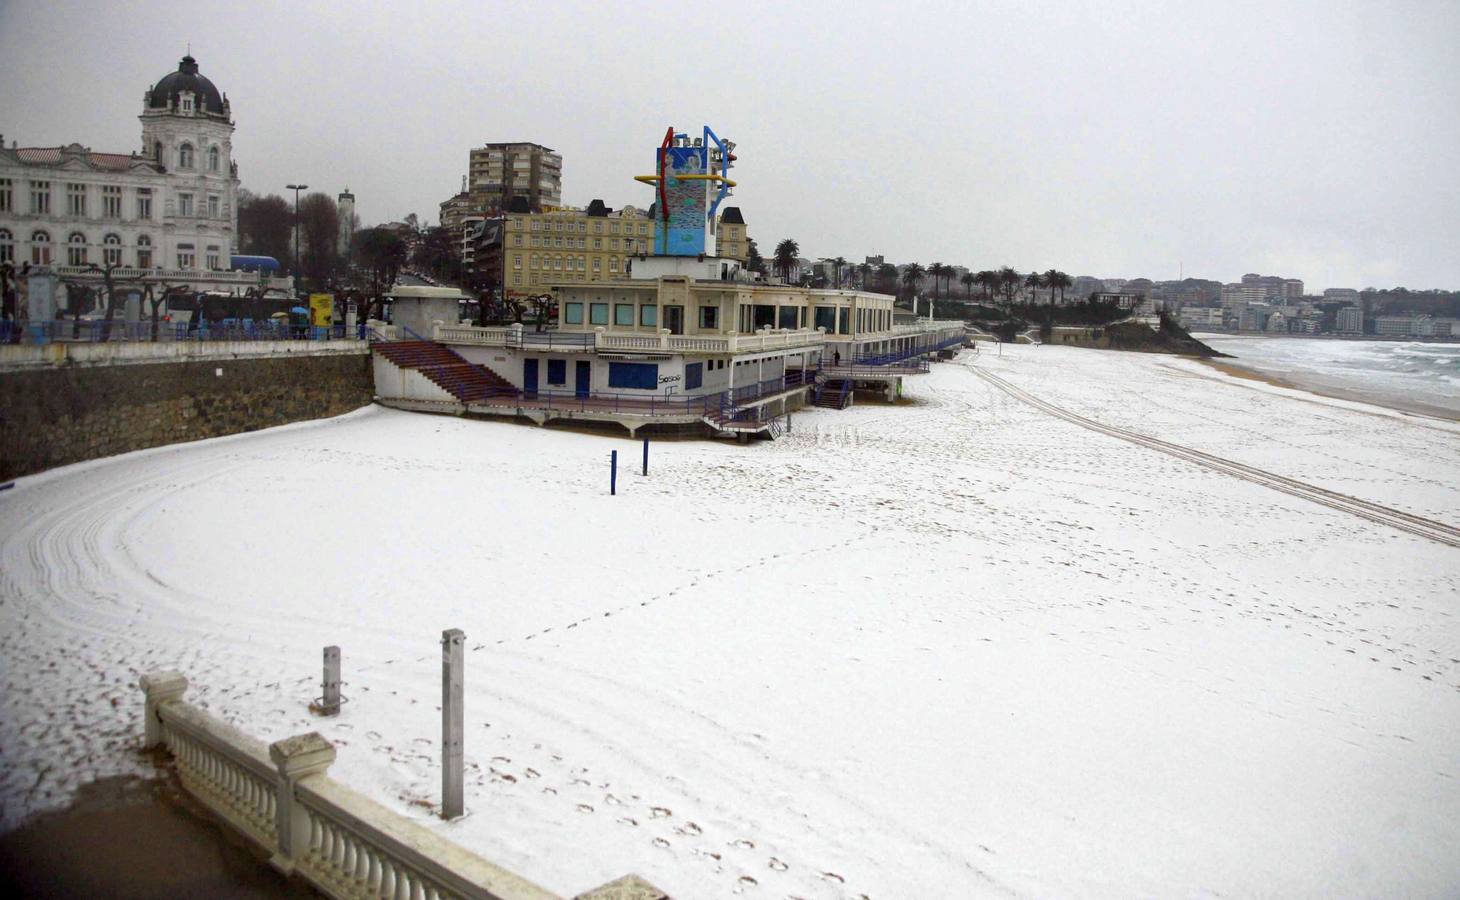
(646, 456)
(452, 656)
(330, 702)
(612, 473)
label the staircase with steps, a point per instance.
(465, 381)
(833, 394)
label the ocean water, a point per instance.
(1410, 374)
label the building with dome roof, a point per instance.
(165, 212)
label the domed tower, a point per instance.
(187, 128)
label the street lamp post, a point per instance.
(296, 188)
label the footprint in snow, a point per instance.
(659, 812)
(777, 865)
(584, 808)
(661, 843)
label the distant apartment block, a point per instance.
(496, 173)
(1341, 295)
(1350, 319)
(565, 244)
(1416, 326)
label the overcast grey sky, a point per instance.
(1318, 140)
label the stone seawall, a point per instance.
(65, 414)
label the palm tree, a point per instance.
(912, 276)
(1034, 281)
(887, 275)
(1054, 279)
(989, 280)
(787, 252)
(840, 263)
(936, 270)
(864, 272)
(968, 280)
(1008, 281)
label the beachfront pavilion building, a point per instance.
(688, 337)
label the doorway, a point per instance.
(582, 378)
(529, 377)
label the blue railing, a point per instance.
(98, 330)
(724, 405)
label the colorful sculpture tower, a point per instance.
(691, 179)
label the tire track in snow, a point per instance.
(1374, 512)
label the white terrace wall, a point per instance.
(341, 842)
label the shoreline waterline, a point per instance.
(1233, 366)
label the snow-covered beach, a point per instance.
(954, 647)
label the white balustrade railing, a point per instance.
(341, 842)
(603, 340)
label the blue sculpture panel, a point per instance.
(681, 229)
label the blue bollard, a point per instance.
(612, 473)
(646, 456)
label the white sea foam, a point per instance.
(1388, 372)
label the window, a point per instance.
(598, 243)
(213, 159)
(598, 228)
(76, 199)
(825, 317)
(623, 314)
(517, 278)
(7, 195)
(557, 371)
(40, 248)
(643, 229)
(534, 261)
(613, 264)
(557, 242)
(694, 373)
(789, 317)
(144, 204)
(185, 256)
(111, 250)
(187, 104)
(40, 198)
(709, 317)
(213, 257)
(597, 264)
(572, 314)
(613, 244)
(517, 240)
(648, 316)
(144, 252)
(111, 201)
(76, 249)
(185, 156)
(7, 246)
(184, 204)
(598, 314)
(517, 262)
(613, 227)
(213, 205)
(635, 376)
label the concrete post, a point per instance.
(330, 701)
(453, 642)
(296, 758)
(159, 687)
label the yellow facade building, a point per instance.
(562, 244)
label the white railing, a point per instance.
(341, 842)
(130, 273)
(605, 340)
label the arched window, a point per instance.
(7, 246)
(144, 252)
(212, 159)
(185, 156)
(157, 150)
(76, 249)
(111, 250)
(40, 248)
